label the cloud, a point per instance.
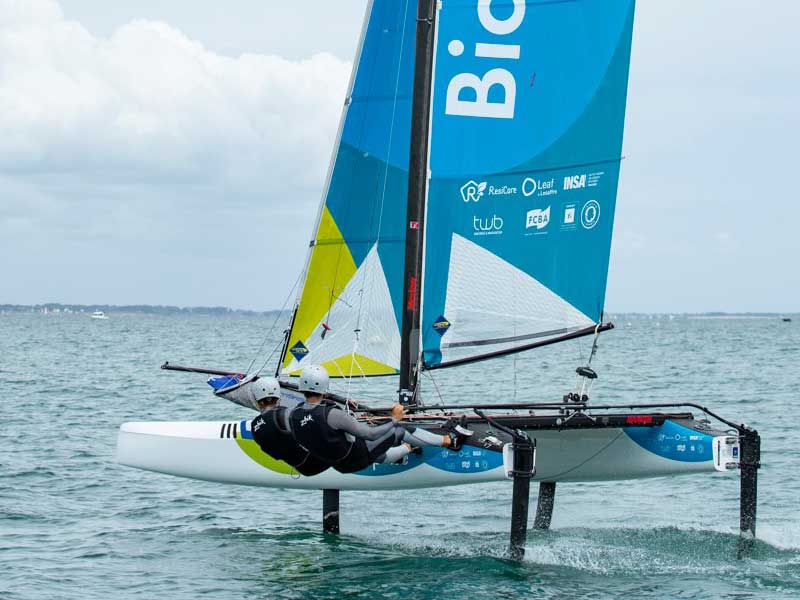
(127, 152)
(149, 103)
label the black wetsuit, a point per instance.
(323, 430)
(271, 432)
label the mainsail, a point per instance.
(526, 135)
(348, 314)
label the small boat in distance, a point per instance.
(787, 319)
(98, 314)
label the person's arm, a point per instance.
(338, 419)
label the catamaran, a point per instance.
(467, 216)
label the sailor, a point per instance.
(332, 435)
(271, 429)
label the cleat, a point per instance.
(492, 443)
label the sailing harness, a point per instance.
(309, 425)
(270, 432)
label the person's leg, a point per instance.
(356, 459)
(394, 454)
(421, 437)
(364, 453)
(379, 449)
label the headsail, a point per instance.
(526, 135)
(348, 313)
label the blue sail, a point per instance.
(349, 309)
(526, 136)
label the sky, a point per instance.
(174, 152)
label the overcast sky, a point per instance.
(174, 152)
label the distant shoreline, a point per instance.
(147, 309)
(138, 309)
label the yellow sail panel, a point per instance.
(329, 271)
(354, 365)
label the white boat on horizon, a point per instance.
(99, 314)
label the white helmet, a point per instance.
(313, 379)
(264, 388)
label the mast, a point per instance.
(417, 191)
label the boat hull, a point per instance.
(225, 452)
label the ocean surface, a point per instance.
(74, 524)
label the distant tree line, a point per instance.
(144, 309)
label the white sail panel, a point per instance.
(491, 305)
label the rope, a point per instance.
(271, 330)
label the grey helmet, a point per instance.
(313, 379)
(264, 388)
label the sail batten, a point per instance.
(505, 340)
(459, 362)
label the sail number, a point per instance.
(475, 103)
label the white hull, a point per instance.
(220, 452)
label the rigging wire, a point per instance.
(436, 389)
(272, 329)
(271, 354)
(594, 341)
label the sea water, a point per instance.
(74, 524)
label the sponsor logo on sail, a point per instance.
(569, 217)
(487, 226)
(590, 214)
(299, 351)
(472, 191)
(592, 179)
(441, 325)
(503, 190)
(538, 218)
(538, 187)
(582, 180)
(475, 102)
(575, 182)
